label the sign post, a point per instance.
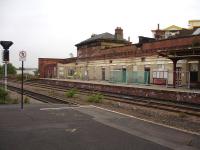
(5, 75)
(22, 58)
(6, 45)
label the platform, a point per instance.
(142, 86)
(150, 91)
(61, 127)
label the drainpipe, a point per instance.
(174, 72)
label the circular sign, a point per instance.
(22, 55)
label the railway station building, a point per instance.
(170, 58)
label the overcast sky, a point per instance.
(51, 28)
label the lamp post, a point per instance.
(6, 45)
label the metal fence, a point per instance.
(130, 77)
(182, 78)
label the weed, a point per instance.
(3, 96)
(71, 93)
(26, 100)
(96, 98)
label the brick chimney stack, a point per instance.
(158, 33)
(119, 33)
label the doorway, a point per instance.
(147, 75)
(123, 75)
(103, 72)
(193, 76)
(178, 76)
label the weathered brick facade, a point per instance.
(84, 63)
(146, 49)
(47, 65)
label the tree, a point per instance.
(1, 70)
(36, 72)
(71, 55)
(10, 68)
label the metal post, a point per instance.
(167, 79)
(174, 73)
(22, 88)
(189, 80)
(6, 45)
(5, 78)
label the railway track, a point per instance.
(150, 103)
(40, 97)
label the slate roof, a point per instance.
(104, 36)
(196, 32)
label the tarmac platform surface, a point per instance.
(62, 127)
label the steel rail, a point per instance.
(40, 97)
(172, 107)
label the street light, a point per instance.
(6, 45)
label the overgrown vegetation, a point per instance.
(10, 68)
(5, 99)
(26, 77)
(71, 93)
(96, 98)
(3, 96)
(26, 100)
(36, 73)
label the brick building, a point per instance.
(172, 60)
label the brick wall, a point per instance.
(170, 43)
(188, 97)
(146, 49)
(45, 63)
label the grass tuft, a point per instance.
(96, 98)
(71, 93)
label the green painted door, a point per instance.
(124, 75)
(147, 76)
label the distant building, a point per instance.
(30, 71)
(176, 31)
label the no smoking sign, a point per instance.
(22, 56)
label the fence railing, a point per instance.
(184, 79)
(130, 77)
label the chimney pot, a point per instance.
(119, 33)
(158, 26)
